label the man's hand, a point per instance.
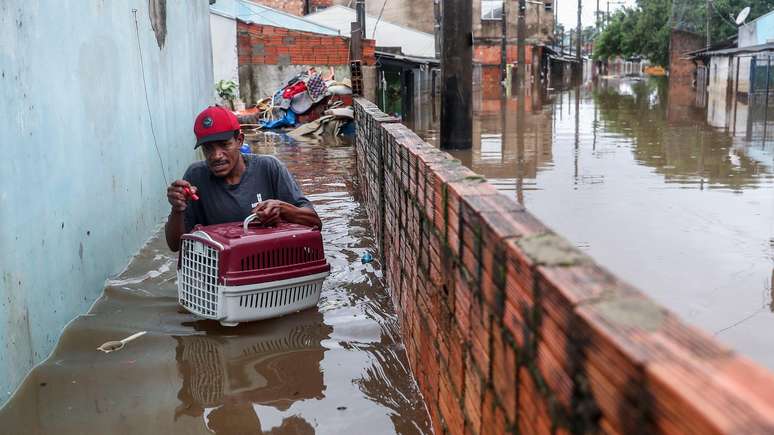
(177, 197)
(269, 212)
(273, 211)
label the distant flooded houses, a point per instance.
(735, 82)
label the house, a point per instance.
(260, 47)
(411, 42)
(494, 42)
(736, 83)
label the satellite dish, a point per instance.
(742, 16)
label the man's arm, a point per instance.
(175, 226)
(272, 211)
(293, 206)
(300, 215)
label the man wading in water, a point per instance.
(232, 186)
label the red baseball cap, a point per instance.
(215, 123)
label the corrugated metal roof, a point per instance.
(254, 13)
(411, 41)
(739, 50)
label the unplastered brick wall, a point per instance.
(268, 45)
(295, 7)
(316, 5)
(510, 329)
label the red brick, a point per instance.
(504, 375)
(473, 398)
(451, 411)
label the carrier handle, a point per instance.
(247, 221)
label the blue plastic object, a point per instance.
(245, 149)
(288, 120)
(367, 258)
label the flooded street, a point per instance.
(680, 209)
(338, 368)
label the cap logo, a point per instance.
(207, 122)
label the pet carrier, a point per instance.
(240, 272)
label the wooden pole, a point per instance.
(521, 28)
(456, 75)
(578, 38)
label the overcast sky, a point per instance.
(568, 10)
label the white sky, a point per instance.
(568, 10)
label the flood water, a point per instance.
(642, 183)
(338, 368)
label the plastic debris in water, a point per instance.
(112, 346)
(367, 258)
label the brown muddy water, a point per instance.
(642, 183)
(338, 368)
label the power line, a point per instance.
(373, 35)
(147, 103)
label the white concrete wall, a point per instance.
(759, 31)
(744, 74)
(225, 63)
(720, 71)
(260, 81)
(81, 186)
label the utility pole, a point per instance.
(456, 75)
(358, 31)
(360, 10)
(561, 42)
(596, 18)
(504, 44)
(708, 24)
(578, 38)
(556, 20)
(437, 16)
(520, 49)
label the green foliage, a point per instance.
(724, 12)
(644, 30)
(226, 89)
(691, 15)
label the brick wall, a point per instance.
(319, 4)
(295, 7)
(269, 45)
(488, 55)
(510, 329)
(681, 42)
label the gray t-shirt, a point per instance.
(265, 177)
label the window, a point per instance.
(549, 6)
(491, 9)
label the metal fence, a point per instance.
(760, 118)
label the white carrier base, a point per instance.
(271, 299)
(248, 303)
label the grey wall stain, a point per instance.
(633, 312)
(157, 12)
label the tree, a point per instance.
(644, 30)
(691, 15)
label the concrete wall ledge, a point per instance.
(510, 329)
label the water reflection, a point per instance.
(228, 371)
(630, 171)
(336, 368)
(686, 151)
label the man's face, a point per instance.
(223, 156)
